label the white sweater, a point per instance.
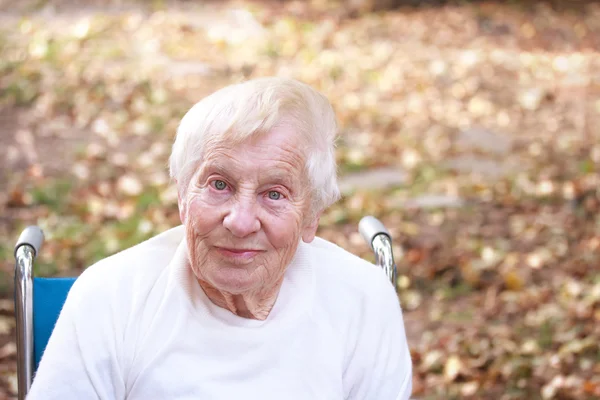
(137, 326)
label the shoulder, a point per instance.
(131, 269)
(349, 276)
(361, 305)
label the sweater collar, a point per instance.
(295, 296)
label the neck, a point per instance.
(253, 305)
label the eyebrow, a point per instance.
(281, 178)
(276, 176)
(217, 167)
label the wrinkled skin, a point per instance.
(245, 211)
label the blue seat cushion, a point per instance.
(49, 295)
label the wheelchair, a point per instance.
(38, 301)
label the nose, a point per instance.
(242, 219)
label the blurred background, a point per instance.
(472, 129)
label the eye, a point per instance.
(219, 185)
(273, 195)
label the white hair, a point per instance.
(237, 112)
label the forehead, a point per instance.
(276, 152)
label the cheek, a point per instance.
(201, 217)
(283, 231)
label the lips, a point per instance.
(238, 254)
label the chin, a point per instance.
(233, 280)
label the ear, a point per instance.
(309, 231)
(182, 207)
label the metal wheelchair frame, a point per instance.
(29, 245)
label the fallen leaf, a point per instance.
(452, 368)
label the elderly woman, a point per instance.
(242, 301)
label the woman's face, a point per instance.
(245, 211)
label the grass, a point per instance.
(546, 334)
(54, 194)
(149, 198)
(459, 316)
(452, 292)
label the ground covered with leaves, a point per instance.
(472, 131)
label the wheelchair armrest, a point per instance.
(32, 236)
(27, 248)
(380, 241)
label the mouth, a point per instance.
(238, 254)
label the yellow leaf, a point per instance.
(513, 281)
(452, 368)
